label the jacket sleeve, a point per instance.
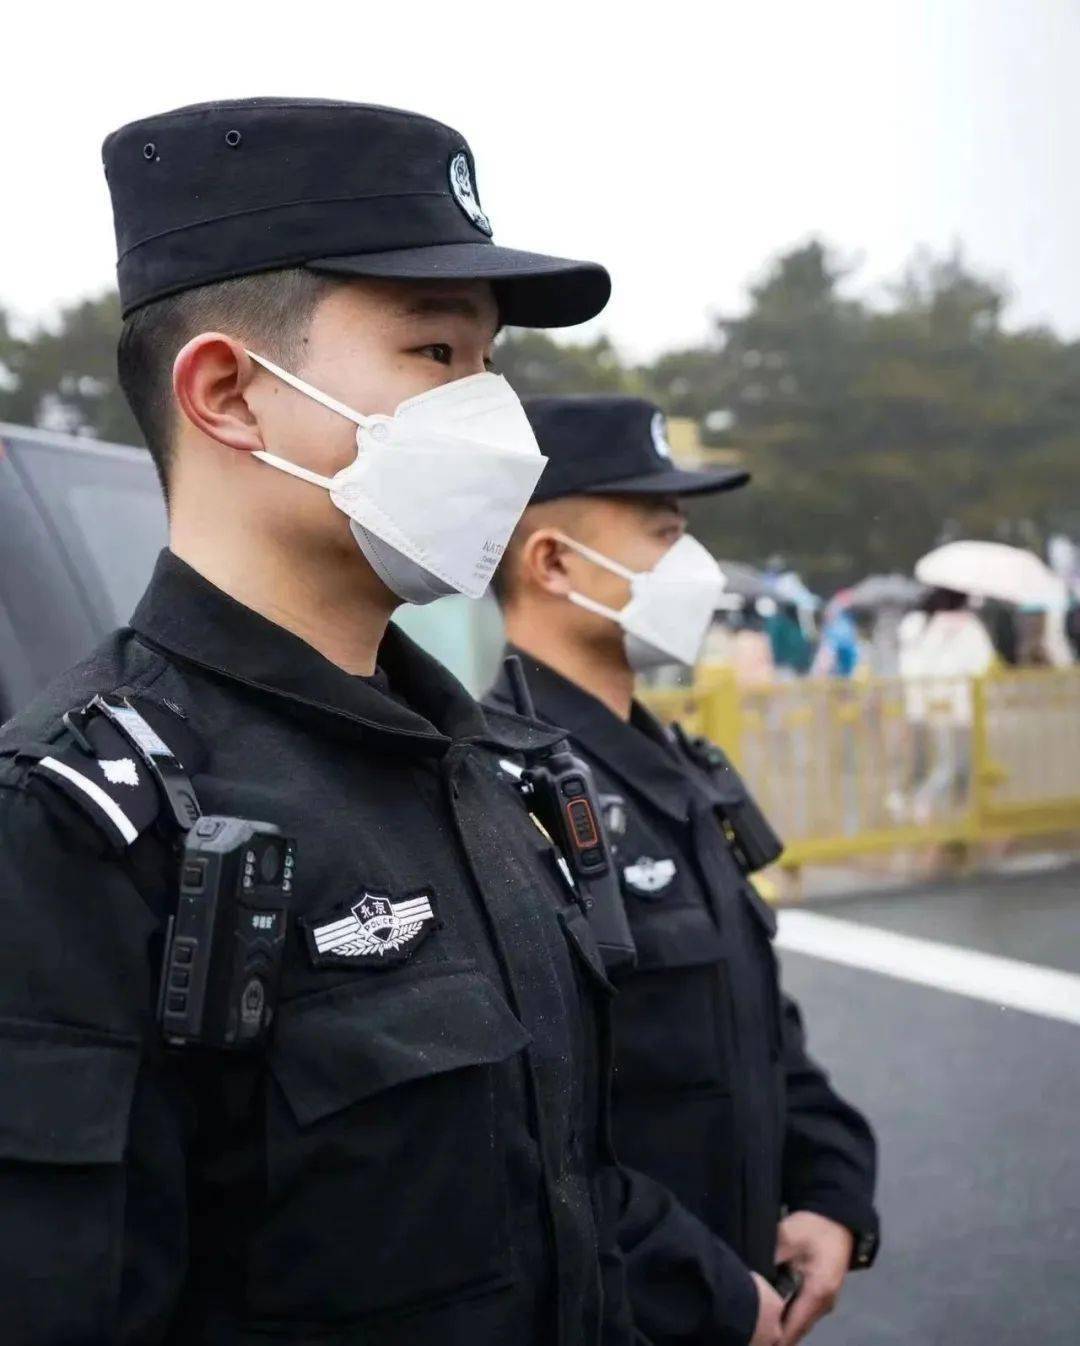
(830, 1155)
(92, 1207)
(686, 1287)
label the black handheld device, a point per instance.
(563, 795)
(224, 946)
(787, 1282)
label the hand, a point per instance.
(821, 1250)
(768, 1331)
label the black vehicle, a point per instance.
(81, 523)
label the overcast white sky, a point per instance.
(682, 144)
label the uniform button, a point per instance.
(149, 150)
(232, 139)
(193, 878)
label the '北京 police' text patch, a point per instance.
(374, 932)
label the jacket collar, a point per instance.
(185, 615)
(639, 753)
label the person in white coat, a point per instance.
(943, 645)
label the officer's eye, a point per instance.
(438, 351)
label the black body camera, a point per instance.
(563, 795)
(224, 946)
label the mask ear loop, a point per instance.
(591, 605)
(331, 404)
(605, 563)
(598, 558)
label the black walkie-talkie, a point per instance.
(563, 795)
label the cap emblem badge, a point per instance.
(461, 185)
(659, 436)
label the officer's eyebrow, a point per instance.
(456, 304)
(443, 305)
(656, 505)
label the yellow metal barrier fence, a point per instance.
(846, 768)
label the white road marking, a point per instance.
(983, 976)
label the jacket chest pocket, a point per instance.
(385, 1165)
(673, 1015)
(63, 1136)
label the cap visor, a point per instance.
(674, 482)
(533, 290)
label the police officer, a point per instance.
(714, 1092)
(416, 1150)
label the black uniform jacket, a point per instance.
(417, 1155)
(714, 1093)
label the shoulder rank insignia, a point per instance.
(647, 876)
(111, 785)
(374, 932)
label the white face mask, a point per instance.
(671, 606)
(436, 489)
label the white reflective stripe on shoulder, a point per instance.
(331, 403)
(109, 807)
(511, 768)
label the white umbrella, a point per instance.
(789, 588)
(884, 591)
(991, 570)
(745, 580)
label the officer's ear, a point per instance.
(542, 562)
(211, 378)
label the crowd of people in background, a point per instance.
(912, 631)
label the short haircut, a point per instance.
(568, 514)
(271, 311)
(564, 512)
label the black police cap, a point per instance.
(613, 445)
(218, 190)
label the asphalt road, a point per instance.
(977, 1110)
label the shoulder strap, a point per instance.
(117, 769)
(749, 832)
(714, 762)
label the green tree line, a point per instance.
(873, 430)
